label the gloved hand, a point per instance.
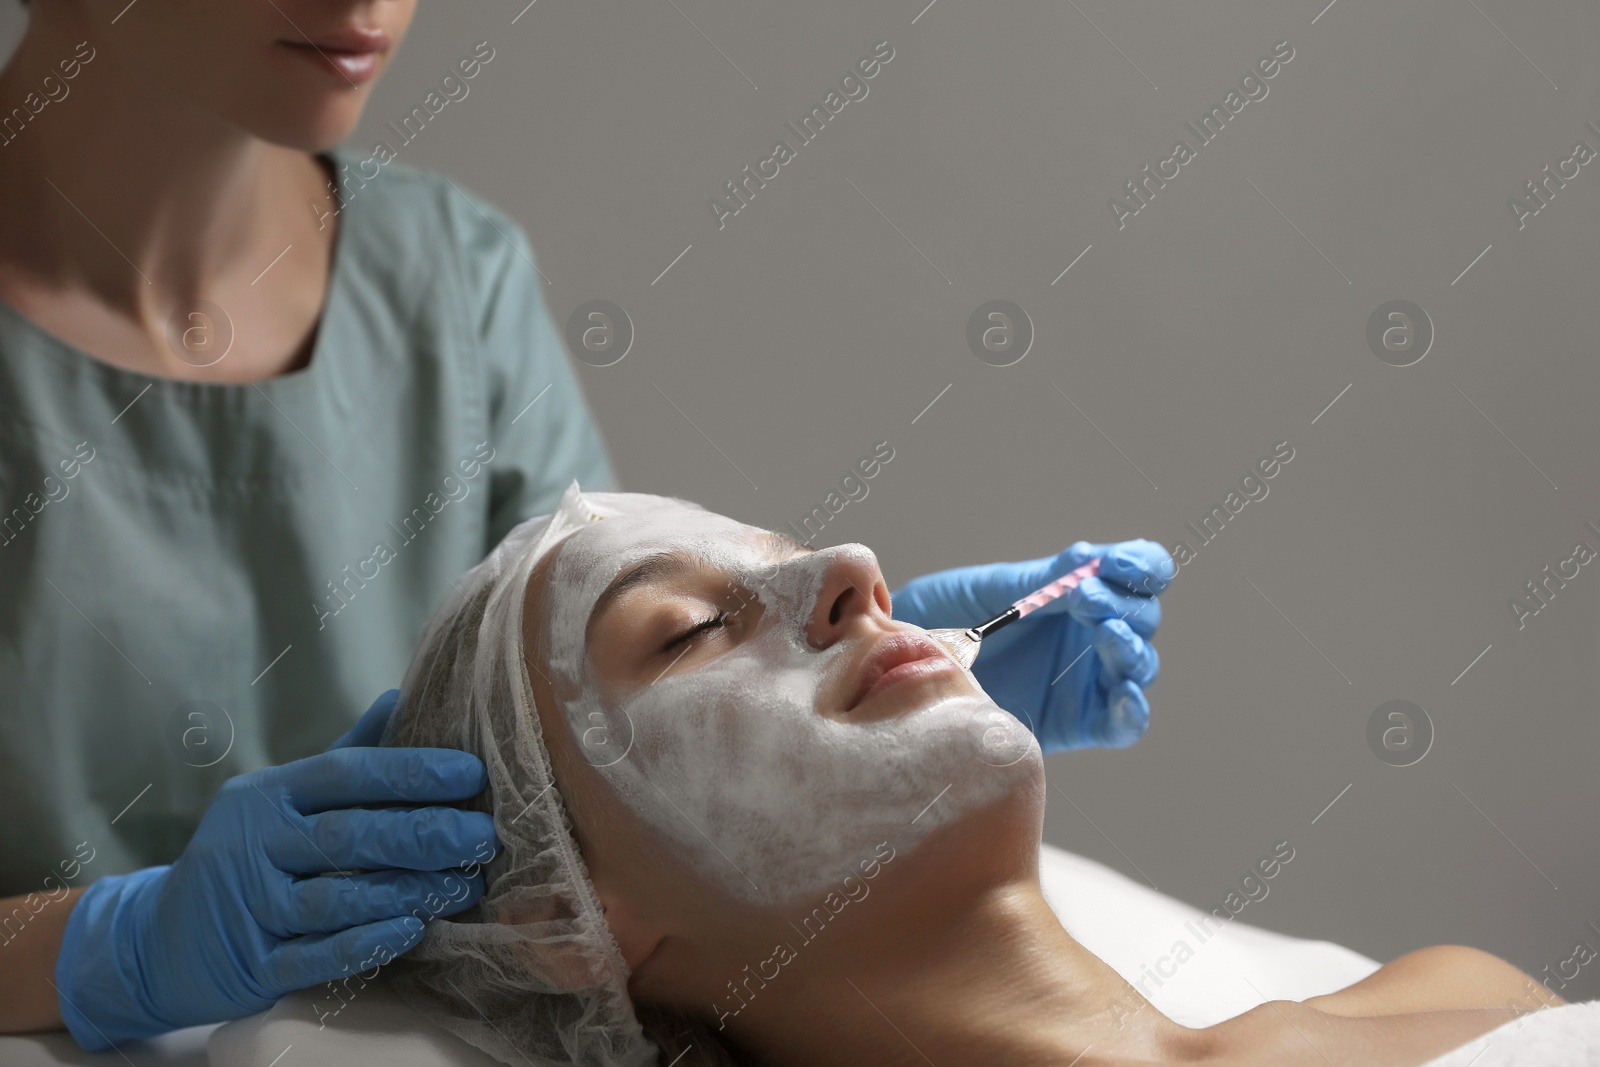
(236, 923)
(1041, 667)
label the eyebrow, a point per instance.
(660, 566)
(652, 568)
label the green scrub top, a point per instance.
(200, 579)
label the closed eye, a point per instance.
(696, 630)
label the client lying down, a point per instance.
(748, 817)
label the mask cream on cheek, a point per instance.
(585, 565)
(735, 762)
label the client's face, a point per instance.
(753, 704)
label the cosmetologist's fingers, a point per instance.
(346, 777)
(420, 839)
(1127, 716)
(1094, 602)
(310, 960)
(1125, 654)
(1142, 567)
(326, 904)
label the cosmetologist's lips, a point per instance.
(350, 51)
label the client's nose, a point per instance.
(852, 587)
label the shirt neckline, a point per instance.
(68, 353)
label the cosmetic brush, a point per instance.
(963, 645)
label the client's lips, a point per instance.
(898, 657)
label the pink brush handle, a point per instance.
(1040, 597)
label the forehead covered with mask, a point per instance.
(713, 673)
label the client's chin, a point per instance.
(999, 792)
(926, 877)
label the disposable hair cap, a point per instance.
(532, 974)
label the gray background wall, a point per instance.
(1223, 318)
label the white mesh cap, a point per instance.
(532, 975)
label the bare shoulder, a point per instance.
(1295, 1034)
(1421, 1005)
(1439, 978)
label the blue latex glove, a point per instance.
(239, 920)
(1041, 668)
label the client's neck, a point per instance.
(1002, 983)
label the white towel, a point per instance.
(1192, 967)
(1568, 1036)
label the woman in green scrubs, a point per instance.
(259, 406)
(261, 402)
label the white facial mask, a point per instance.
(732, 760)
